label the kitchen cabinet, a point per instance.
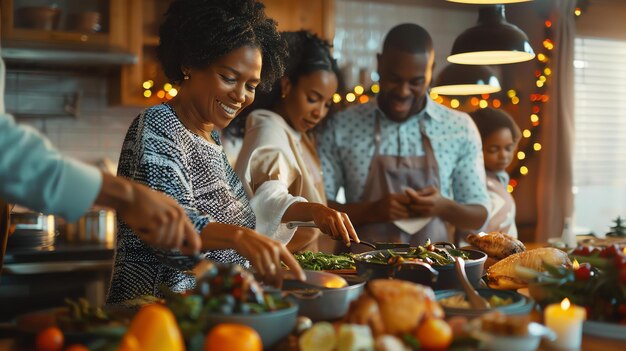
(142, 40)
(132, 25)
(314, 15)
(97, 22)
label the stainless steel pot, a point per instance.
(33, 221)
(324, 304)
(32, 230)
(96, 226)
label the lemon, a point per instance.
(321, 337)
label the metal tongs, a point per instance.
(296, 224)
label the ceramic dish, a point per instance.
(324, 304)
(271, 326)
(529, 342)
(520, 304)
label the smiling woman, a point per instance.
(220, 52)
(278, 151)
(212, 96)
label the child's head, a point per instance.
(499, 135)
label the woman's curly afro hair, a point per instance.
(197, 32)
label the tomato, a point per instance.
(50, 339)
(156, 329)
(227, 336)
(610, 251)
(583, 272)
(434, 334)
(77, 347)
(583, 250)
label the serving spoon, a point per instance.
(474, 299)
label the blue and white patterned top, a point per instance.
(345, 144)
(160, 152)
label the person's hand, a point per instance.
(158, 220)
(392, 207)
(426, 202)
(265, 255)
(334, 223)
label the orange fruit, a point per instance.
(156, 329)
(50, 339)
(129, 343)
(227, 336)
(434, 334)
(77, 347)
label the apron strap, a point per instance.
(428, 150)
(377, 135)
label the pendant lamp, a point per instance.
(466, 80)
(492, 41)
(485, 2)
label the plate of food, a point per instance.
(455, 303)
(230, 294)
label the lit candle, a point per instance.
(566, 320)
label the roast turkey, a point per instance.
(495, 244)
(394, 306)
(504, 276)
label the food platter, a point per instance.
(606, 330)
(520, 304)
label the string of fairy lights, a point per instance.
(529, 145)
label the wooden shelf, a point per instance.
(152, 40)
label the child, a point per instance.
(500, 136)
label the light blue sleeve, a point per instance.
(328, 152)
(469, 184)
(35, 175)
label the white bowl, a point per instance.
(529, 342)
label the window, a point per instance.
(600, 123)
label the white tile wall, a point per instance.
(361, 26)
(92, 136)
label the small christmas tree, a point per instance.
(619, 229)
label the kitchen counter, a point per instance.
(37, 279)
(61, 252)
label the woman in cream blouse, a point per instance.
(277, 146)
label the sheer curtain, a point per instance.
(555, 178)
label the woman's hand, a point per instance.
(265, 255)
(332, 222)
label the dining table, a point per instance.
(9, 342)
